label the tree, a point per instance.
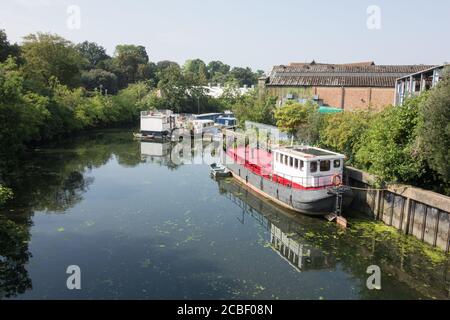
(252, 107)
(99, 79)
(93, 53)
(130, 61)
(434, 131)
(218, 67)
(342, 132)
(5, 194)
(244, 76)
(196, 71)
(218, 72)
(173, 87)
(388, 147)
(6, 49)
(293, 116)
(47, 56)
(21, 114)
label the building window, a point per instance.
(313, 166)
(325, 165)
(337, 163)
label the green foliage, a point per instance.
(173, 87)
(218, 72)
(5, 194)
(254, 107)
(99, 79)
(48, 56)
(196, 71)
(135, 98)
(93, 53)
(343, 132)
(434, 131)
(388, 147)
(294, 116)
(132, 64)
(21, 114)
(7, 49)
(244, 76)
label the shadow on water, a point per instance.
(51, 186)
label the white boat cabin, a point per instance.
(308, 166)
(157, 122)
(204, 126)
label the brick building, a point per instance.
(354, 86)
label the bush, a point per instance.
(5, 194)
(434, 131)
(342, 132)
(388, 147)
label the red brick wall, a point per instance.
(356, 98)
(331, 96)
(382, 97)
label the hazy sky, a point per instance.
(256, 33)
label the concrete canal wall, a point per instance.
(421, 213)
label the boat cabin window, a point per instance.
(296, 164)
(337, 163)
(302, 165)
(286, 160)
(281, 158)
(313, 166)
(291, 161)
(325, 165)
(277, 157)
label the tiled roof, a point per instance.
(365, 74)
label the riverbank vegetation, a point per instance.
(401, 144)
(51, 87)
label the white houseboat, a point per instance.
(299, 178)
(201, 127)
(157, 124)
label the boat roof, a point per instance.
(310, 152)
(207, 115)
(203, 120)
(227, 118)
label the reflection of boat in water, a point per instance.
(310, 244)
(157, 152)
(285, 239)
(155, 149)
(303, 179)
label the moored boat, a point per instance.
(219, 171)
(299, 178)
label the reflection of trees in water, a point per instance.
(14, 255)
(52, 179)
(56, 177)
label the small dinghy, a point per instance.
(218, 170)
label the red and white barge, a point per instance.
(299, 178)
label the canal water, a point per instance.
(143, 226)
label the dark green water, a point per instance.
(140, 226)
